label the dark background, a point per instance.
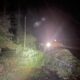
(70, 7)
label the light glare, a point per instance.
(55, 40)
(48, 44)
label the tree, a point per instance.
(62, 61)
(5, 35)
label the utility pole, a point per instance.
(24, 32)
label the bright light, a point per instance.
(55, 40)
(48, 44)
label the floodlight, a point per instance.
(48, 44)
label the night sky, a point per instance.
(67, 10)
(44, 8)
